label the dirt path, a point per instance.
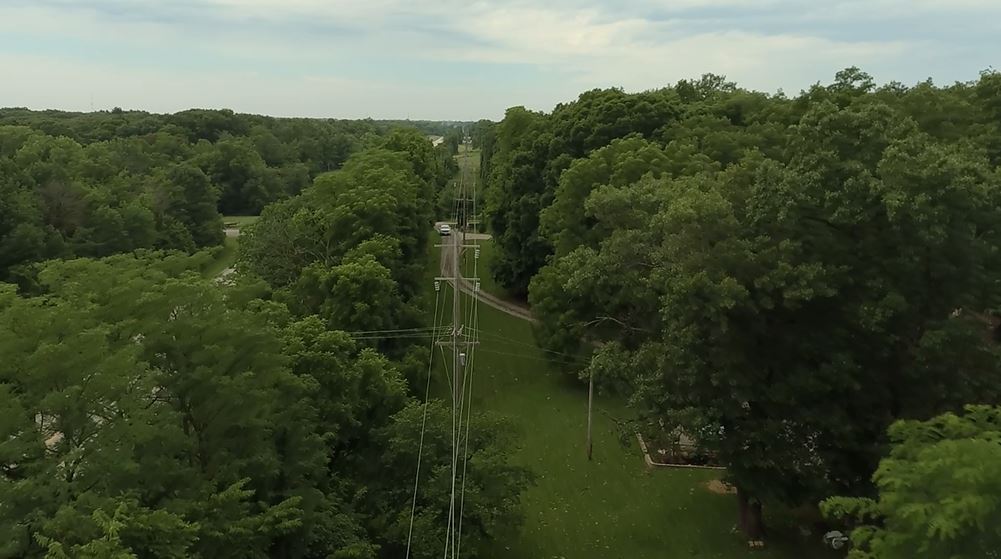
(448, 267)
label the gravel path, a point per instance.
(448, 267)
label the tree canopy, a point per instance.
(96, 184)
(782, 279)
(938, 491)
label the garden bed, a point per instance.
(675, 449)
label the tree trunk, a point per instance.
(751, 522)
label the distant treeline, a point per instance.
(94, 184)
(201, 124)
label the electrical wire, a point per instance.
(498, 337)
(469, 407)
(424, 420)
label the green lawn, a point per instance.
(227, 255)
(238, 221)
(612, 506)
(224, 259)
(469, 161)
(469, 170)
(487, 282)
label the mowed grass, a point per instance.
(487, 281)
(468, 159)
(612, 506)
(224, 259)
(238, 221)
(226, 256)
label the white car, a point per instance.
(445, 229)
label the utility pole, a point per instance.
(453, 249)
(590, 403)
(456, 243)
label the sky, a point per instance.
(452, 60)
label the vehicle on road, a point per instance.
(445, 229)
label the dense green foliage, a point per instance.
(149, 412)
(781, 278)
(60, 199)
(938, 491)
(351, 248)
(97, 184)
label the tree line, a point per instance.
(783, 278)
(148, 412)
(95, 184)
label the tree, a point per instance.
(867, 267)
(533, 150)
(357, 388)
(135, 397)
(358, 229)
(211, 125)
(283, 242)
(938, 491)
(23, 235)
(492, 484)
(864, 245)
(514, 197)
(619, 164)
(184, 200)
(357, 295)
(245, 182)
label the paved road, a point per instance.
(448, 267)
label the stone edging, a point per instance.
(653, 464)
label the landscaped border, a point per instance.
(650, 462)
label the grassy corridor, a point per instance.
(612, 507)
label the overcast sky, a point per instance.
(462, 60)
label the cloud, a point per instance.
(464, 59)
(45, 82)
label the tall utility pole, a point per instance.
(590, 403)
(453, 251)
(456, 318)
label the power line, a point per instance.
(397, 336)
(469, 407)
(426, 328)
(424, 420)
(461, 388)
(499, 338)
(539, 359)
(461, 368)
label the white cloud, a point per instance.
(323, 57)
(45, 82)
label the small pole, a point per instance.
(590, 403)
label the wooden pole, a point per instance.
(590, 404)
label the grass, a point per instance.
(223, 259)
(226, 256)
(609, 507)
(469, 162)
(487, 281)
(238, 221)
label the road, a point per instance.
(448, 271)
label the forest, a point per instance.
(795, 282)
(806, 286)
